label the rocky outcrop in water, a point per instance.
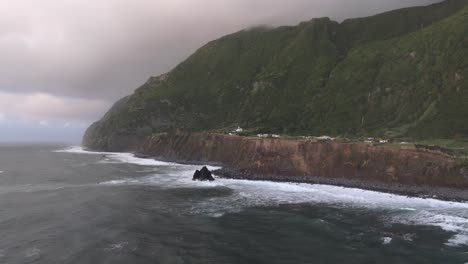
(203, 175)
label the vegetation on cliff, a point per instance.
(399, 74)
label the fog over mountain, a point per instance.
(65, 62)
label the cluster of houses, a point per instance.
(323, 138)
(376, 141)
(239, 130)
(236, 131)
(366, 140)
(268, 136)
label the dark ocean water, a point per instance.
(76, 207)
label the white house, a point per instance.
(325, 138)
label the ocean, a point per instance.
(62, 204)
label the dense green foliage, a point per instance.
(399, 74)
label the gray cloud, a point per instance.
(101, 50)
(41, 106)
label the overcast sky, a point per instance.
(64, 62)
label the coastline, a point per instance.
(424, 191)
(412, 172)
(429, 192)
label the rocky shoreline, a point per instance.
(421, 191)
(441, 193)
(415, 172)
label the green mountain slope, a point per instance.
(401, 73)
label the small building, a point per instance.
(275, 136)
(239, 130)
(325, 138)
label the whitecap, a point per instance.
(217, 215)
(117, 246)
(123, 157)
(450, 216)
(407, 209)
(444, 218)
(114, 182)
(79, 150)
(386, 240)
(32, 252)
(458, 240)
(409, 237)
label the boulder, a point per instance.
(196, 175)
(203, 175)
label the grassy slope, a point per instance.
(402, 73)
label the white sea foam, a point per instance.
(448, 219)
(115, 182)
(80, 150)
(117, 246)
(458, 240)
(408, 209)
(450, 216)
(122, 157)
(32, 252)
(409, 237)
(386, 240)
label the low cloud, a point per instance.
(44, 107)
(105, 49)
(71, 59)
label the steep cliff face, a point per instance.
(282, 157)
(401, 73)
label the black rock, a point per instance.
(203, 175)
(196, 175)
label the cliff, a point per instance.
(269, 158)
(399, 74)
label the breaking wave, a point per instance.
(450, 216)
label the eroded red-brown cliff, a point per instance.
(301, 158)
